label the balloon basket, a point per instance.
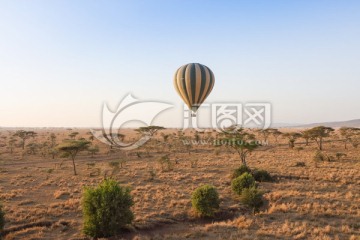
(193, 114)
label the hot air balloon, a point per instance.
(194, 82)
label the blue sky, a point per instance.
(61, 60)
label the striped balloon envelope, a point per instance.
(194, 82)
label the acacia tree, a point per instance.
(93, 150)
(11, 144)
(348, 133)
(53, 139)
(239, 140)
(73, 135)
(265, 133)
(306, 136)
(149, 131)
(292, 137)
(24, 135)
(276, 134)
(319, 133)
(72, 148)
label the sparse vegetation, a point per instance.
(205, 200)
(106, 209)
(161, 194)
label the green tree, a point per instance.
(72, 148)
(347, 133)
(53, 139)
(239, 140)
(292, 137)
(150, 130)
(11, 144)
(93, 150)
(306, 136)
(73, 135)
(319, 133)
(24, 135)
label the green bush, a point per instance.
(205, 200)
(2, 220)
(106, 209)
(240, 171)
(252, 197)
(262, 175)
(244, 181)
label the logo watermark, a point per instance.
(222, 116)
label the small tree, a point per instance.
(106, 209)
(52, 140)
(150, 130)
(53, 152)
(239, 140)
(11, 144)
(73, 135)
(292, 137)
(72, 148)
(276, 134)
(93, 150)
(265, 133)
(347, 133)
(319, 133)
(24, 135)
(306, 136)
(205, 200)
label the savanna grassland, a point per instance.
(308, 199)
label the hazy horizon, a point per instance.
(60, 61)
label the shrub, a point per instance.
(252, 197)
(298, 149)
(205, 200)
(165, 163)
(114, 164)
(339, 155)
(2, 220)
(262, 175)
(106, 209)
(320, 157)
(240, 171)
(300, 164)
(244, 181)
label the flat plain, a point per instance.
(307, 200)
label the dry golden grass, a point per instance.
(311, 202)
